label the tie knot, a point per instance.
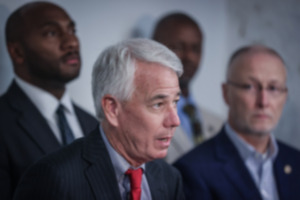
(60, 109)
(65, 130)
(135, 176)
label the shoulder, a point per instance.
(163, 171)
(84, 115)
(61, 159)
(287, 152)
(201, 151)
(161, 165)
(203, 158)
(166, 178)
(83, 112)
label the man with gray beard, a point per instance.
(245, 161)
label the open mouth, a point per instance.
(164, 142)
(164, 139)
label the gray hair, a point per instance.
(113, 71)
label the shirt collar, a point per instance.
(45, 102)
(119, 163)
(246, 150)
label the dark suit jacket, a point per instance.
(25, 136)
(214, 170)
(83, 170)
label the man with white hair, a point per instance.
(135, 89)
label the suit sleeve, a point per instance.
(6, 185)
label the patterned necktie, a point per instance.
(135, 183)
(190, 110)
(65, 130)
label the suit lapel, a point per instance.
(100, 168)
(31, 120)
(85, 121)
(157, 188)
(282, 170)
(234, 168)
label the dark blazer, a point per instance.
(215, 170)
(83, 170)
(25, 136)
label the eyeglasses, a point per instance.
(252, 88)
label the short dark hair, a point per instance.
(171, 19)
(15, 22)
(13, 25)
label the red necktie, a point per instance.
(135, 182)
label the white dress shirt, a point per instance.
(47, 104)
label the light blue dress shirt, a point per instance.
(120, 167)
(184, 119)
(259, 165)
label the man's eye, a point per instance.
(50, 33)
(157, 105)
(176, 48)
(273, 88)
(72, 31)
(175, 102)
(247, 86)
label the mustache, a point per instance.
(269, 115)
(71, 54)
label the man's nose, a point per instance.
(263, 98)
(70, 41)
(172, 118)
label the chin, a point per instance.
(262, 131)
(162, 155)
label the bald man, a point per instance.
(245, 161)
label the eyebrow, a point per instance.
(162, 96)
(54, 23)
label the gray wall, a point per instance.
(227, 25)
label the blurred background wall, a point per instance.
(227, 25)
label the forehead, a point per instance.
(152, 76)
(39, 15)
(181, 31)
(260, 66)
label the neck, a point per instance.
(116, 142)
(53, 87)
(259, 142)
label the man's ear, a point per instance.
(111, 106)
(16, 52)
(225, 92)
